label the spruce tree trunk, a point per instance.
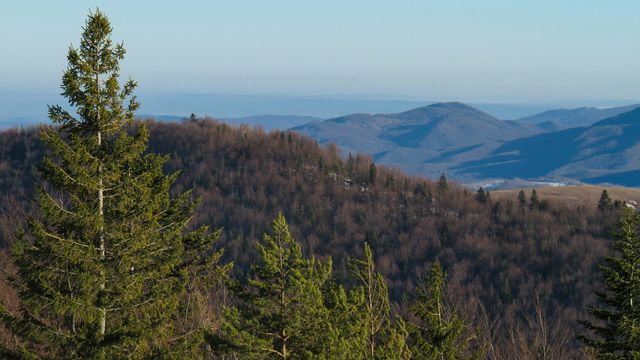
(103, 312)
(283, 300)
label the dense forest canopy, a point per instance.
(506, 259)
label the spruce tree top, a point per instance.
(443, 184)
(90, 82)
(481, 195)
(522, 198)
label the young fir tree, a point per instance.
(373, 173)
(534, 201)
(605, 203)
(443, 185)
(482, 196)
(616, 333)
(438, 333)
(280, 312)
(104, 272)
(381, 339)
(522, 199)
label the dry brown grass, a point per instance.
(573, 196)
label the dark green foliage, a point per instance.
(616, 332)
(373, 173)
(543, 205)
(443, 185)
(346, 326)
(506, 291)
(605, 204)
(522, 199)
(496, 212)
(106, 269)
(321, 167)
(438, 332)
(534, 202)
(482, 196)
(350, 164)
(280, 312)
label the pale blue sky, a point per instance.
(484, 50)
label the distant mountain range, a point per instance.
(473, 146)
(27, 108)
(605, 152)
(567, 118)
(428, 140)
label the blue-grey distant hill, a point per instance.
(427, 140)
(605, 152)
(473, 146)
(560, 119)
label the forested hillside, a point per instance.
(505, 259)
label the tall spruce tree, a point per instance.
(108, 269)
(616, 332)
(280, 311)
(438, 333)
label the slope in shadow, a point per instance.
(527, 158)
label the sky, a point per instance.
(466, 50)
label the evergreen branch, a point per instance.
(62, 239)
(133, 306)
(273, 351)
(71, 178)
(185, 222)
(183, 336)
(59, 206)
